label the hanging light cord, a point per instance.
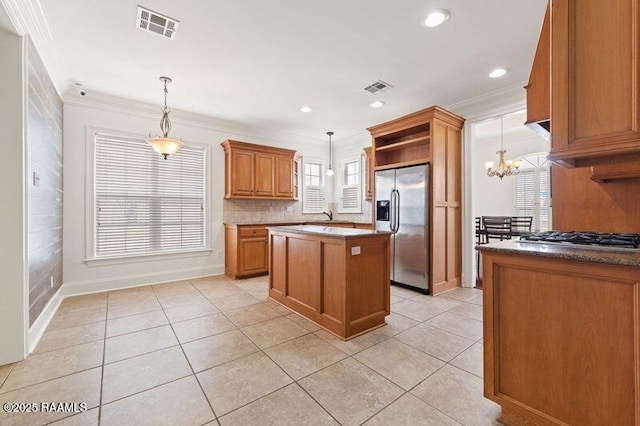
(330, 134)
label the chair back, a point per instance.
(497, 227)
(521, 224)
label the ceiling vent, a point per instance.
(156, 23)
(378, 87)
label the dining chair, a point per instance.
(497, 227)
(521, 225)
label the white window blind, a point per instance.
(313, 193)
(350, 188)
(145, 204)
(533, 190)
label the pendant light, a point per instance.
(505, 167)
(330, 171)
(164, 144)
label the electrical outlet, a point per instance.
(36, 179)
(219, 253)
(289, 209)
(51, 282)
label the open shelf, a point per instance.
(404, 164)
(421, 140)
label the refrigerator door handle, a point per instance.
(391, 211)
(395, 198)
(397, 210)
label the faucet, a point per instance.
(329, 215)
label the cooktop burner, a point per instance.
(586, 238)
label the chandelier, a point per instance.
(505, 167)
(165, 145)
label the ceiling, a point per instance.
(258, 62)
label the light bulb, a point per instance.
(488, 165)
(330, 172)
(306, 108)
(435, 18)
(498, 72)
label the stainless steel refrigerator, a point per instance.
(402, 207)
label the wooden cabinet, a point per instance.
(257, 171)
(595, 87)
(539, 86)
(368, 174)
(561, 340)
(246, 251)
(339, 281)
(433, 136)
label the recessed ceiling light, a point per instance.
(376, 104)
(498, 72)
(306, 108)
(435, 18)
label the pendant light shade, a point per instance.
(164, 144)
(505, 167)
(330, 171)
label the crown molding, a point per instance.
(234, 129)
(28, 18)
(492, 104)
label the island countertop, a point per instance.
(328, 231)
(613, 256)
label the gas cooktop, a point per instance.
(592, 239)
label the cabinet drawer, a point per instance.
(252, 232)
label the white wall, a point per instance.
(13, 307)
(116, 114)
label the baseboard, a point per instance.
(107, 284)
(78, 288)
(42, 322)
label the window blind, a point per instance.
(145, 204)
(313, 193)
(350, 188)
(532, 196)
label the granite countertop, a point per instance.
(328, 231)
(285, 223)
(614, 256)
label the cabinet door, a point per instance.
(284, 176)
(264, 175)
(242, 172)
(595, 79)
(253, 256)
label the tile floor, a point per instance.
(217, 351)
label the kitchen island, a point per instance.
(336, 277)
(562, 333)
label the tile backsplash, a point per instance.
(252, 211)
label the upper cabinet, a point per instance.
(257, 171)
(538, 88)
(595, 82)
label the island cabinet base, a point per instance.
(342, 284)
(561, 340)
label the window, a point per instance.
(532, 191)
(314, 187)
(350, 188)
(144, 204)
